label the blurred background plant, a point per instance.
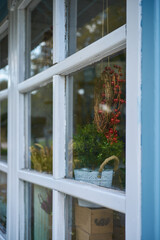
(41, 158)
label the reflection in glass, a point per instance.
(38, 213)
(41, 37)
(96, 123)
(90, 222)
(4, 63)
(3, 202)
(3, 130)
(41, 129)
(93, 20)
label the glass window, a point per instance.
(96, 138)
(40, 129)
(3, 130)
(4, 63)
(3, 203)
(41, 37)
(38, 213)
(89, 221)
(91, 20)
(3, 9)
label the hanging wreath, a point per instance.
(108, 102)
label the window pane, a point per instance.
(3, 9)
(41, 37)
(87, 221)
(96, 123)
(3, 203)
(40, 126)
(91, 20)
(38, 213)
(3, 130)
(4, 63)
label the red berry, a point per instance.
(117, 121)
(111, 130)
(100, 111)
(112, 83)
(116, 100)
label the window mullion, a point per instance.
(13, 131)
(133, 128)
(58, 119)
(59, 42)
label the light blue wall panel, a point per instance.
(150, 120)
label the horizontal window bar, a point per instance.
(4, 27)
(105, 197)
(1, 236)
(104, 47)
(45, 180)
(3, 94)
(3, 167)
(24, 4)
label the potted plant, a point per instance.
(98, 143)
(92, 152)
(91, 148)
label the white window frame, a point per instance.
(128, 36)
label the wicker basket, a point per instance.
(99, 177)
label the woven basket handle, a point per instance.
(116, 164)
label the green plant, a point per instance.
(41, 158)
(91, 148)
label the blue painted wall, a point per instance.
(150, 120)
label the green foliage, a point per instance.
(41, 158)
(92, 148)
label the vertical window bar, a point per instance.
(133, 128)
(59, 53)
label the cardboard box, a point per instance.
(94, 221)
(82, 235)
(119, 233)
